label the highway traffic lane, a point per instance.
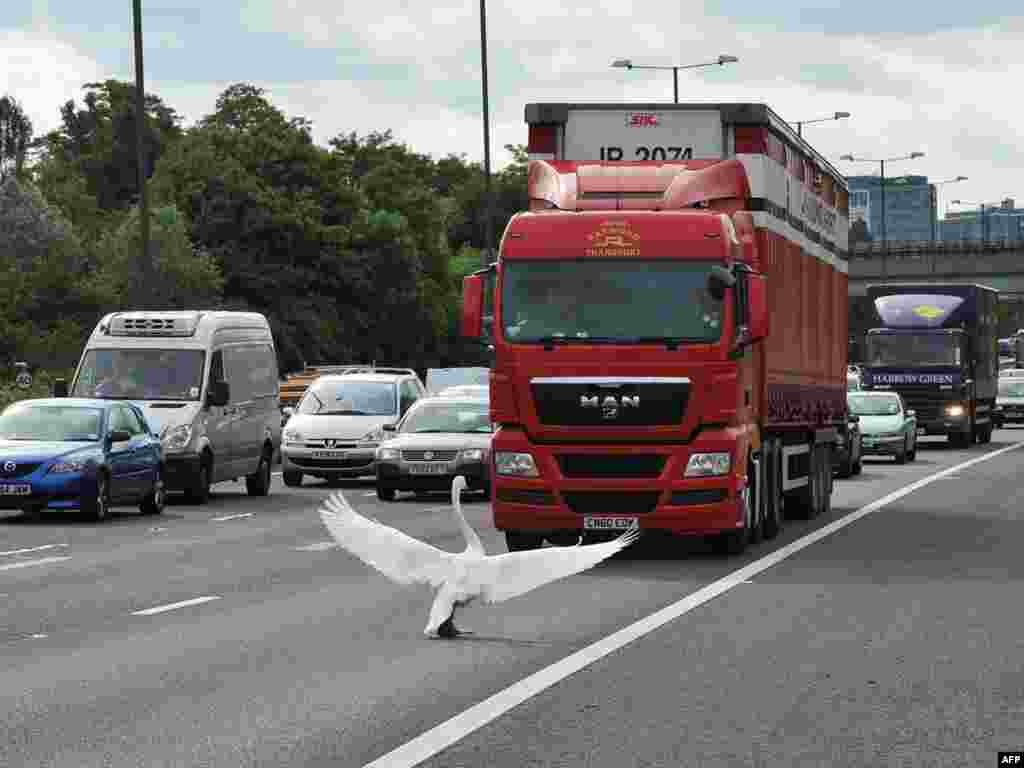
(895, 641)
(324, 672)
(280, 545)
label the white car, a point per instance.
(340, 421)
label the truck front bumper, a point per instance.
(563, 502)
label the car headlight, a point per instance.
(999, 407)
(292, 436)
(955, 410)
(373, 436)
(67, 466)
(515, 464)
(472, 454)
(708, 465)
(387, 454)
(177, 438)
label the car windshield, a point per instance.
(51, 423)
(1011, 388)
(460, 417)
(873, 405)
(349, 398)
(913, 349)
(609, 301)
(141, 374)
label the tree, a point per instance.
(15, 138)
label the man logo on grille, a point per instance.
(610, 404)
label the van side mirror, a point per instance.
(757, 297)
(719, 279)
(60, 387)
(218, 393)
(472, 306)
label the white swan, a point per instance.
(463, 577)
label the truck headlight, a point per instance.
(472, 454)
(954, 410)
(387, 454)
(515, 464)
(176, 439)
(708, 465)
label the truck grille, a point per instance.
(604, 465)
(611, 502)
(610, 401)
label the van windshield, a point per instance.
(141, 374)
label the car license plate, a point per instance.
(15, 490)
(610, 523)
(328, 454)
(430, 468)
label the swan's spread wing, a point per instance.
(399, 557)
(516, 573)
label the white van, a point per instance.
(208, 384)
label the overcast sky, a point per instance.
(938, 77)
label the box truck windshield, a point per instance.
(609, 300)
(141, 374)
(911, 349)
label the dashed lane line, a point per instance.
(175, 606)
(40, 561)
(26, 550)
(231, 517)
(453, 730)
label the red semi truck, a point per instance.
(669, 324)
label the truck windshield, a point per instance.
(141, 374)
(609, 300)
(913, 349)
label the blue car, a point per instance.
(79, 454)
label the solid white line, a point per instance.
(27, 563)
(461, 725)
(30, 549)
(319, 546)
(173, 606)
(231, 517)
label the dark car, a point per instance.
(437, 439)
(78, 454)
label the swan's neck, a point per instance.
(473, 543)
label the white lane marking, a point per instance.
(173, 606)
(368, 494)
(319, 546)
(231, 517)
(30, 549)
(438, 738)
(40, 561)
(38, 636)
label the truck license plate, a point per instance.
(610, 523)
(431, 468)
(15, 490)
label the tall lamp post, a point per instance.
(720, 61)
(938, 184)
(835, 116)
(882, 162)
(984, 220)
(485, 257)
(140, 122)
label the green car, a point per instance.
(887, 427)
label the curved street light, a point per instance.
(882, 162)
(720, 61)
(835, 116)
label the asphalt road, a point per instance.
(893, 641)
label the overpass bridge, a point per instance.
(997, 263)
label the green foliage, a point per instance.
(15, 138)
(42, 382)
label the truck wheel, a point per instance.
(772, 489)
(519, 541)
(985, 433)
(807, 500)
(754, 467)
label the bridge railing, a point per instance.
(922, 248)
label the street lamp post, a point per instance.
(720, 61)
(140, 120)
(835, 116)
(935, 213)
(489, 212)
(882, 162)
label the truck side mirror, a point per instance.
(757, 296)
(60, 387)
(472, 306)
(719, 279)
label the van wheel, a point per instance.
(199, 493)
(258, 483)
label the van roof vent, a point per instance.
(154, 323)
